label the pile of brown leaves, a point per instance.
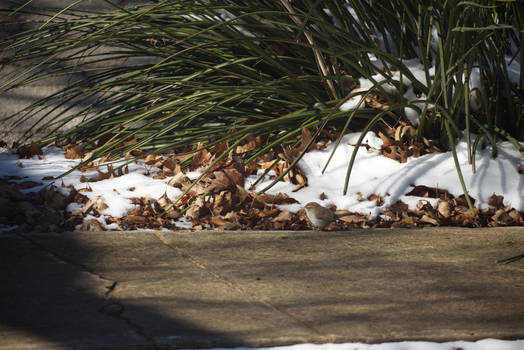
(219, 200)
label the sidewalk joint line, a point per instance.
(231, 284)
(111, 308)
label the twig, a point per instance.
(510, 260)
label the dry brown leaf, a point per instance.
(391, 152)
(135, 219)
(283, 216)
(496, 201)
(154, 160)
(159, 176)
(96, 203)
(92, 225)
(223, 203)
(232, 217)
(28, 151)
(172, 213)
(98, 177)
(377, 102)
(196, 208)
(409, 130)
(249, 145)
(306, 139)
(429, 220)
(342, 212)
(515, 215)
(75, 152)
(429, 192)
(502, 217)
(268, 212)
(376, 198)
(226, 179)
(179, 180)
(409, 220)
(136, 152)
(216, 221)
(200, 158)
(399, 207)
(352, 219)
(280, 198)
(386, 141)
(242, 194)
(164, 201)
(172, 163)
(398, 133)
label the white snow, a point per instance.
(484, 344)
(376, 174)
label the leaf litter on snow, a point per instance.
(396, 182)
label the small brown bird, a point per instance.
(318, 215)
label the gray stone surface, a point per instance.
(15, 100)
(195, 289)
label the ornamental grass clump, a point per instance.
(177, 74)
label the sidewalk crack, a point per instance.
(232, 284)
(112, 307)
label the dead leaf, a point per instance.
(164, 201)
(444, 208)
(172, 164)
(173, 213)
(137, 152)
(75, 152)
(399, 207)
(134, 219)
(242, 194)
(179, 180)
(200, 158)
(279, 198)
(28, 151)
(268, 212)
(376, 198)
(306, 139)
(429, 220)
(92, 225)
(216, 221)
(515, 215)
(99, 177)
(154, 160)
(502, 217)
(196, 208)
(283, 216)
(226, 179)
(249, 145)
(232, 217)
(223, 203)
(352, 219)
(496, 201)
(159, 176)
(386, 141)
(429, 192)
(96, 203)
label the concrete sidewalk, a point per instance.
(156, 290)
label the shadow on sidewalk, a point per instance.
(46, 302)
